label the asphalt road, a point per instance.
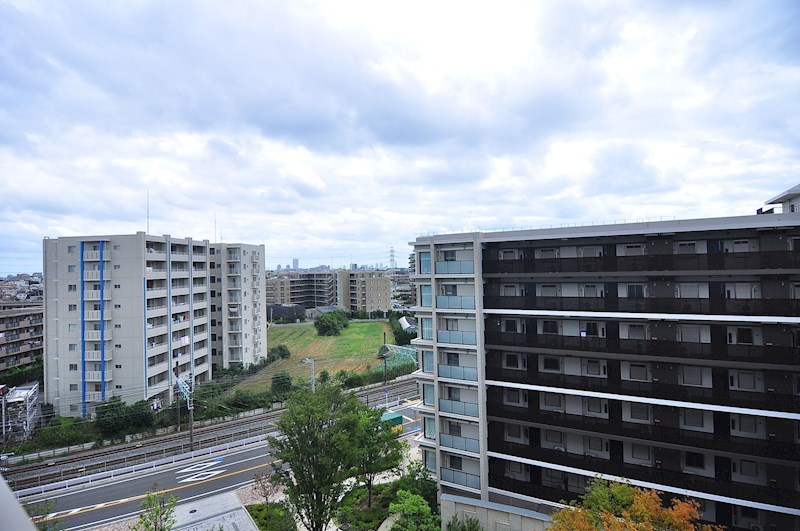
(121, 497)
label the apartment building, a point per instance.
(666, 353)
(123, 314)
(238, 304)
(352, 290)
(21, 337)
(367, 291)
(308, 289)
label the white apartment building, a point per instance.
(238, 324)
(124, 313)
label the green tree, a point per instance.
(415, 513)
(613, 506)
(466, 523)
(378, 448)
(317, 446)
(331, 323)
(114, 417)
(324, 376)
(282, 384)
(158, 512)
(279, 352)
(38, 513)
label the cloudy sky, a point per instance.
(333, 131)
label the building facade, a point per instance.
(121, 313)
(664, 353)
(238, 304)
(21, 335)
(366, 291)
(351, 290)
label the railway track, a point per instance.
(21, 477)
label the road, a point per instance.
(109, 501)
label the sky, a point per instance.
(335, 131)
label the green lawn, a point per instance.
(354, 349)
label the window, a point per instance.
(640, 452)
(454, 393)
(595, 444)
(551, 364)
(636, 331)
(547, 252)
(592, 329)
(425, 295)
(424, 262)
(692, 376)
(430, 460)
(73, 387)
(514, 431)
(640, 411)
(744, 336)
(552, 400)
(116, 247)
(117, 286)
(72, 308)
(449, 256)
(635, 291)
(73, 407)
(553, 436)
(743, 380)
(516, 397)
(70, 269)
(455, 462)
(748, 468)
(117, 366)
(693, 418)
(70, 248)
(430, 427)
(427, 394)
(73, 366)
(454, 428)
(72, 287)
(686, 248)
(117, 306)
(117, 326)
(748, 424)
(514, 467)
(427, 361)
(638, 371)
(72, 327)
(593, 368)
(117, 387)
(694, 460)
(73, 347)
(117, 266)
(550, 327)
(594, 405)
(512, 360)
(549, 290)
(427, 328)
(690, 334)
(510, 325)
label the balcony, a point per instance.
(95, 335)
(460, 443)
(460, 478)
(457, 267)
(97, 376)
(664, 476)
(456, 337)
(468, 409)
(94, 397)
(97, 355)
(459, 373)
(95, 275)
(454, 302)
(94, 295)
(94, 315)
(646, 263)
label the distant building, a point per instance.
(295, 264)
(350, 290)
(21, 335)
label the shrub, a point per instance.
(272, 517)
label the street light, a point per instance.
(313, 383)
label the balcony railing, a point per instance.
(458, 372)
(458, 267)
(456, 337)
(669, 262)
(460, 478)
(456, 407)
(460, 443)
(455, 302)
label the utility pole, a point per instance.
(313, 383)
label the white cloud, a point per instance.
(334, 131)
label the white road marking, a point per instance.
(202, 475)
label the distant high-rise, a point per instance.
(295, 264)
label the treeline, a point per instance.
(401, 337)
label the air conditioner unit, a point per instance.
(559, 449)
(756, 527)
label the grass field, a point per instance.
(354, 349)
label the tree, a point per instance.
(279, 352)
(378, 448)
(265, 487)
(331, 323)
(613, 506)
(317, 446)
(415, 513)
(282, 384)
(466, 523)
(38, 513)
(158, 512)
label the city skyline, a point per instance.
(334, 132)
